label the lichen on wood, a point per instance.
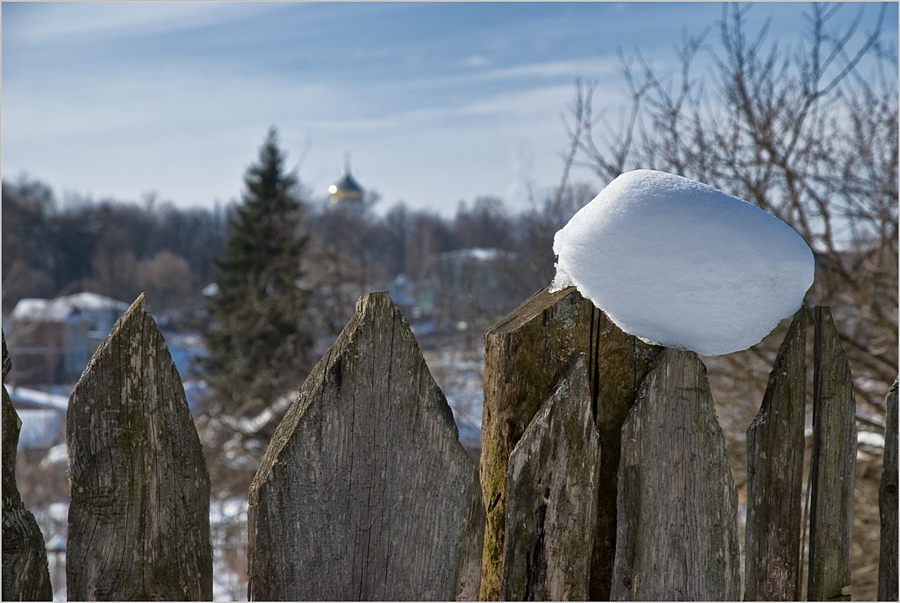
(552, 490)
(525, 354)
(139, 510)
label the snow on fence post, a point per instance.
(833, 465)
(677, 525)
(139, 511)
(775, 446)
(526, 353)
(365, 491)
(887, 501)
(552, 487)
(25, 572)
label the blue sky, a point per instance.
(436, 102)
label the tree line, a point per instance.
(120, 248)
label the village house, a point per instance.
(51, 341)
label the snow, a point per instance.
(684, 265)
(41, 429)
(27, 397)
(61, 308)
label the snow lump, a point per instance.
(682, 264)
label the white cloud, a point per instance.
(63, 22)
(477, 61)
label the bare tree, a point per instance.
(808, 134)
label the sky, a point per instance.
(436, 103)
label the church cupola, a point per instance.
(346, 190)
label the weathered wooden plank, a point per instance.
(139, 510)
(775, 476)
(677, 526)
(25, 573)
(525, 355)
(365, 491)
(833, 465)
(622, 363)
(552, 490)
(887, 502)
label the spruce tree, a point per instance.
(259, 342)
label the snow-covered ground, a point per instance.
(459, 373)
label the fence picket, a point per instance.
(365, 491)
(833, 465)
(677, 524)
(139, 511)
(25, 573)
(887, 501)
(552, 490)
(775, 476)
(623, 362)
(525, 354)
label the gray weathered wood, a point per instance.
(25, 575)
(887, 502)
(677, 526)
(552, 489)
(622, 363)
(525, 355)
(139, 511)
(775, 476)
(833, 465)
(365, 491)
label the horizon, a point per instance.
(435, 103)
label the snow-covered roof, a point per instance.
(61, 308)
(33, 398)
(478, 254)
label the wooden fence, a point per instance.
(603, 474)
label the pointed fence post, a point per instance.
(775, 446)
(25, 573)
(677, 526)
(365, 492)
(552, 489)
(887, 502)
(833, 465)
(526, 353)
(139, 511)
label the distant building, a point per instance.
(52, 341)
(346, 192)
(43, 417)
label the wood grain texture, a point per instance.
(525, 355)
(622, 364)
(833, 465)
(887, 502)
(139, 511)
(775, 445)
(365, 492)
(677, 525)
(552, 486)
(25, 573)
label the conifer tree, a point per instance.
(259, 342)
